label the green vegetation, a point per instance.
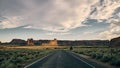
(18, 58)
(107, 55)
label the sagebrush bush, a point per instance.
(115, 61)
(108, 55)
(18, 58)
(106, 58)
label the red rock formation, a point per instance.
(30, 42)
(51, 43)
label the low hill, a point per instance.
(64, 42)
(85, 42)
(112, 42)
(115, 41)
(18, 42)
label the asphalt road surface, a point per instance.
(63, 59)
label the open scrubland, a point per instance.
(103, 54)
(20, 56)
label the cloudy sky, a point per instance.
(61, 19)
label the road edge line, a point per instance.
(37, 61)
(82, 60)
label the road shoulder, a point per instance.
(84, 57)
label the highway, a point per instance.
(63, 59)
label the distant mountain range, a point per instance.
(112, 42)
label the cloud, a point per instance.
(113, 31)
(27, 27)
(104, 9)
(59, 33)
(87, 33)
(109, 34)
(11, 22)
(54, 15)
(58, 15)
(107, 11)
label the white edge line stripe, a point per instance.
(83, 61)
(37, 61)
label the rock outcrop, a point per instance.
(62, 42)
(30, 42)
(84, 42)
(18, 42)
(51, 43)
(115, 41)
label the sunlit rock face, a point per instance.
(30, 42)
(51, 43)
(115, 41)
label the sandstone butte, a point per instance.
(54, 42)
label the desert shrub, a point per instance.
(106, 58)
(115, 61)
(77, 52)
(108, 55)
(18, 58)
(98, 55)
(81, 52)
(93, 55)
(11, 65)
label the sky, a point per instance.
(61, 19)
